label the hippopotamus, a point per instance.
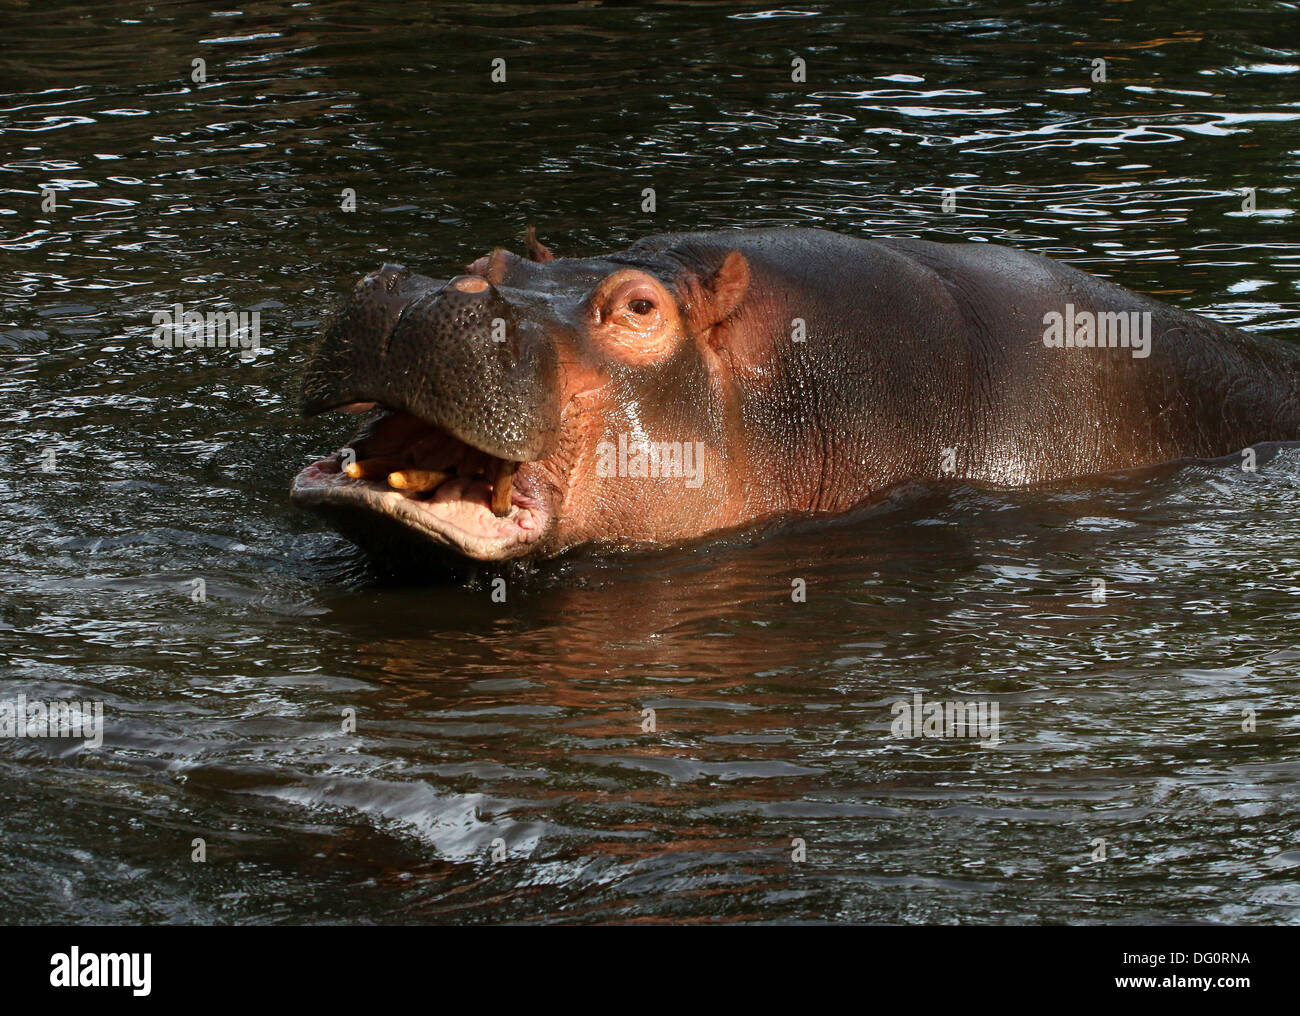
(697, 382)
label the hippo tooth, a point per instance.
(502, 487)
(371, 469)
(416, 481)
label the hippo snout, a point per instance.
(452, 353)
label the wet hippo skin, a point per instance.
(700, 381)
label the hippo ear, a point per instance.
(721, 294)
(537, 251)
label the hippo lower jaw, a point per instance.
(430, 488)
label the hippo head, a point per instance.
(531, 403)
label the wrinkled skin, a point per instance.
(918, 361)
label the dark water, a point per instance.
(1120, 720)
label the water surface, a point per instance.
(520, 723)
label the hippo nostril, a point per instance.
(470, 283)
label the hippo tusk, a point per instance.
(502, 487)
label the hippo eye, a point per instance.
(641, 306)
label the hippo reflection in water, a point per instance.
(700, 381)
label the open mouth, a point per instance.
(430, 482)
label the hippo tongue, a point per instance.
(421, 346)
